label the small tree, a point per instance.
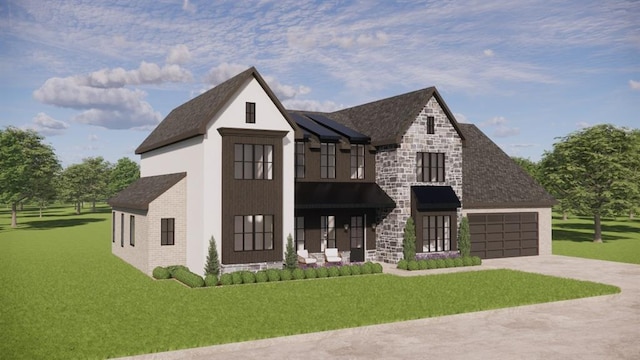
(212, 266)
(409, 240)
(464, 238)
(290, 257)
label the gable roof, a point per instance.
(143, 191)
(491, 179)
(191, 118)
(387, 120)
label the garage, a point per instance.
(498, 235)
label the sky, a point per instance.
(95, 77)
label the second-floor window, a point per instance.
(357, 161)
(327, 161)
(299, 160)
(253, 161)
(250, 117)
(430, 167)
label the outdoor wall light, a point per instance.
(346, 227)
(373, 226)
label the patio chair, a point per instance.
(331, 255)
(304, 258)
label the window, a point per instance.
(431, 125)
(253, 161)
(113, 227)
(357, 161)
(328, 231)
(430, 167)
(250, 113)
(300, 160)
(299, 231)
(253, 232)
(167, 231)
(328, 161)
(436, 233)
(121, 230)
(132, 230)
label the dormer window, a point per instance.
(250, 113)
(431, 125)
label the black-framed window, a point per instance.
(121, 230)
(430, 167)
(328, 231)
(299, 231)
(250, 116)
(253, 161)
(300, 160)
(436, 233)
(113, 227)
(328, 160)
(253, 232)
(132, 230)
(167, 231)
(431, 125)
(357, 161)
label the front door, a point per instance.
(357, 238)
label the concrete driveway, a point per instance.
(605, 327)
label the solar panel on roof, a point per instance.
(354, 136)
(321, 132)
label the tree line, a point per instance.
(31, 172)
(592, 172)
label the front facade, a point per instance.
(232, 163)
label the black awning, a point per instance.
(429, 198)
(341, 195)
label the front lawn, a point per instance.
(65, 296)
(620, 239)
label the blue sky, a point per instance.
(94, 77)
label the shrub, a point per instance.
(457, 262)
(432, 264)
(290, 256)
(409, 240)
(322, 272)
(356, 270)
(261, 276)
(248, 277)
(440, 263)
(226, 279)
(173, 268)
(188, 278)
(334, 272)
(285, 275)
(413, 265)
(377, 268)
(345, 270)
(161, 273)
(476, 260)
(236, 277)
(403, 264)
(448, 262)
(298, 274)
(467, 261)
(212, 266)
(367, 268)
(211, 280)
(422, 264)
(310, 273)
(273, 275)
(464, 238)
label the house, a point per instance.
(234, 164)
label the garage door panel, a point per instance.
(477, 228)
(494, 228)
(495, 218)
(496, 235)
(529, 252)
(533, 243)
(512, 244)
(511, 236)
(512, 218)
(494, 245)
(512, 252)
(529, 217)
(529, 226)
(494, 254)
(478, 246)
(530, 235)
(512, 227)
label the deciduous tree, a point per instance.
(125, 172)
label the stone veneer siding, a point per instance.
(396, 173)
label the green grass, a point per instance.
(64, 295)
(620, 239)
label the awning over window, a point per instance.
(429, 198)
(341, 195)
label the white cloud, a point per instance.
(583, 124)
(311, 105)
(178, 55)
(460, 118)
(634, 85)
(501, 128)
(46, 125)
(520, 146)
(147, 73)
(188, 6)
(224, 72)
(498, 120)
(488, 53)
(285, 92)
(92, 137)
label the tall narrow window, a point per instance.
(121, 230)
(328, 231)
(328, 160)
(250, 113)
(357, 161)
(431, 125)
(167, 231)
(113, 227)
(299, 160)
(253, 232)
(300, 233)
(430, 167)
(253, 161)
(436, 233)
(132, 230)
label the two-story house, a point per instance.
(232, 163)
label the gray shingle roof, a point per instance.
(491, 179)
(143, 191)
(387, 120)
(191, 118)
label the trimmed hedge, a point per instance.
(273, 275)
(310, 273)
(285, 275)
(261, 276)
(298, 274)
(322, 272)
(188, 278)
(438, 263)
(211, 280)
(226, 279)
(161, 273)
(333, 271)
(173, 268)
